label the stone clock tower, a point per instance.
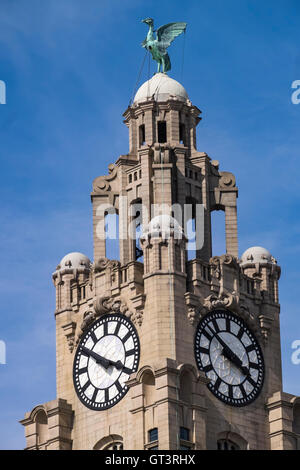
(156, 350)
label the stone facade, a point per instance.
(165, 297)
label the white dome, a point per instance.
(163, 225)
(257, 254)
(160, 88)
(74, 261)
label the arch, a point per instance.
(136, 228)
(41, 421)
(218, 231)
(149, 389)
(228, 440)
(111, 442)
(111, 227)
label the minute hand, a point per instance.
(102, 360)
(229, 354)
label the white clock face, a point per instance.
(229, 354)
(106, 356)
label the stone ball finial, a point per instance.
(74, 260)
(163, 226)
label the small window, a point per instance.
(142, 135)
(135, 176)
(153, 435)
(223, 444)
(162, 132)
(182, 133)
(184, 434)
(130, 178)
(140, 173)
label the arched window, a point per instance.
(224, 444)
(148, 388)
(231, 441)
(137, 228)
(41, 428)
(111, 442)
(112, 247)
(218, 233)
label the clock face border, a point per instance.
(121, 394)
(225, 314)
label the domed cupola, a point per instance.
(162, 114)
(160, 87)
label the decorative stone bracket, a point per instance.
(69, 330)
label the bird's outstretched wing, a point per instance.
(167, 33)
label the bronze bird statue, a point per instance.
(165, 35)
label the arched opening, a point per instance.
(111, 442)
(41, 428)
(190, 228)
(142, 135)
(137, 229)
(185, 391)
(231, 441)
(112, 246)
(218, 233)
(148, 388)
(161, 132)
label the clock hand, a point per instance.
(102, 360)
(229, 354)
(99, 359)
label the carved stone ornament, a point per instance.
(102, 263)
(69, 330)
(227, 180)
(105, 304)
(102, 183)
(222, 300)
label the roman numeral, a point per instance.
(230, 391)
(82, 370)
(228, 324)
(253, 365)
(208, 368)
(130, 352)
(126, 370)
(105, 328)
(106, 396)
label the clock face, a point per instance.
(230, 356)
(106, 356)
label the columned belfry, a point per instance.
(156, 350)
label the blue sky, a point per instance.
(70, 67)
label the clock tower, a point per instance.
(165, 347)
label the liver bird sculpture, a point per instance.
(158, 46)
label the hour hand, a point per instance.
(234, 359)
